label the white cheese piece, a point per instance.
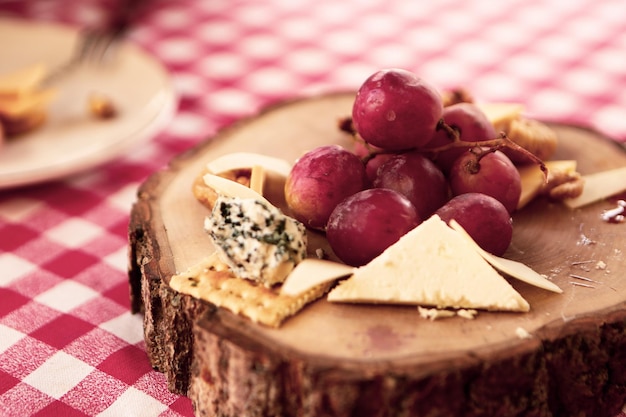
(256, 239)
(312, 272)
(599, 186)
(522, 333)
(229, 188)
(533, 178)
(257, 179)
(432, 265)
(241, 160)
(511, 268)
(469, 314)
(435, 313)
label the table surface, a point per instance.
(68, 342)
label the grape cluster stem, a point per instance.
(479, 148)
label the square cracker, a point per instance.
(211, 280)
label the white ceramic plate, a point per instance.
(71, 140)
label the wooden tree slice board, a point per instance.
(372, 360)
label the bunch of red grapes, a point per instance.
(413, 158)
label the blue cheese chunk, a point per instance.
(256, 239)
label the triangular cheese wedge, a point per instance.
(431, 265)
(509, 267)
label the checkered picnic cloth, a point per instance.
(68, 343)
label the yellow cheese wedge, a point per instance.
(509, 267)
(21, 81)
(432, 265)
(241, 160)
(599, 186)
(533, 179)
(501, 114)
(312, 272)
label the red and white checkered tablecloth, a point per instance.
(68, 343)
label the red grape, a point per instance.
(363, 225)
(417, 178)
(488, 172)
(483, 217)
(319, 180)
(471, 124)
(396, 110)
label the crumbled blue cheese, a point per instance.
(256, 239)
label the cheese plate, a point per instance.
(71, 140)
(336, 359)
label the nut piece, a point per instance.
(101, 106)
(563, 184)
(534, 136)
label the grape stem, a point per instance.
(453, 134)
(492, 145)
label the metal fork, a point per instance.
(94, 44)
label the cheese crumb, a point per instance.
(469, 314)
(433, 314)
(522, 333)
(438, 313)
(601, 265)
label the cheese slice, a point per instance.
(241, 160)
(501, 114)
(533, 178)
(257, 179)
(432, 265)
(599, 186)
(509, 267)
(230, 188)
(312, 272)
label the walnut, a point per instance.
(101, 106)
(562, 184)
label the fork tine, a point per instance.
(85, 44)
(93, 45)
